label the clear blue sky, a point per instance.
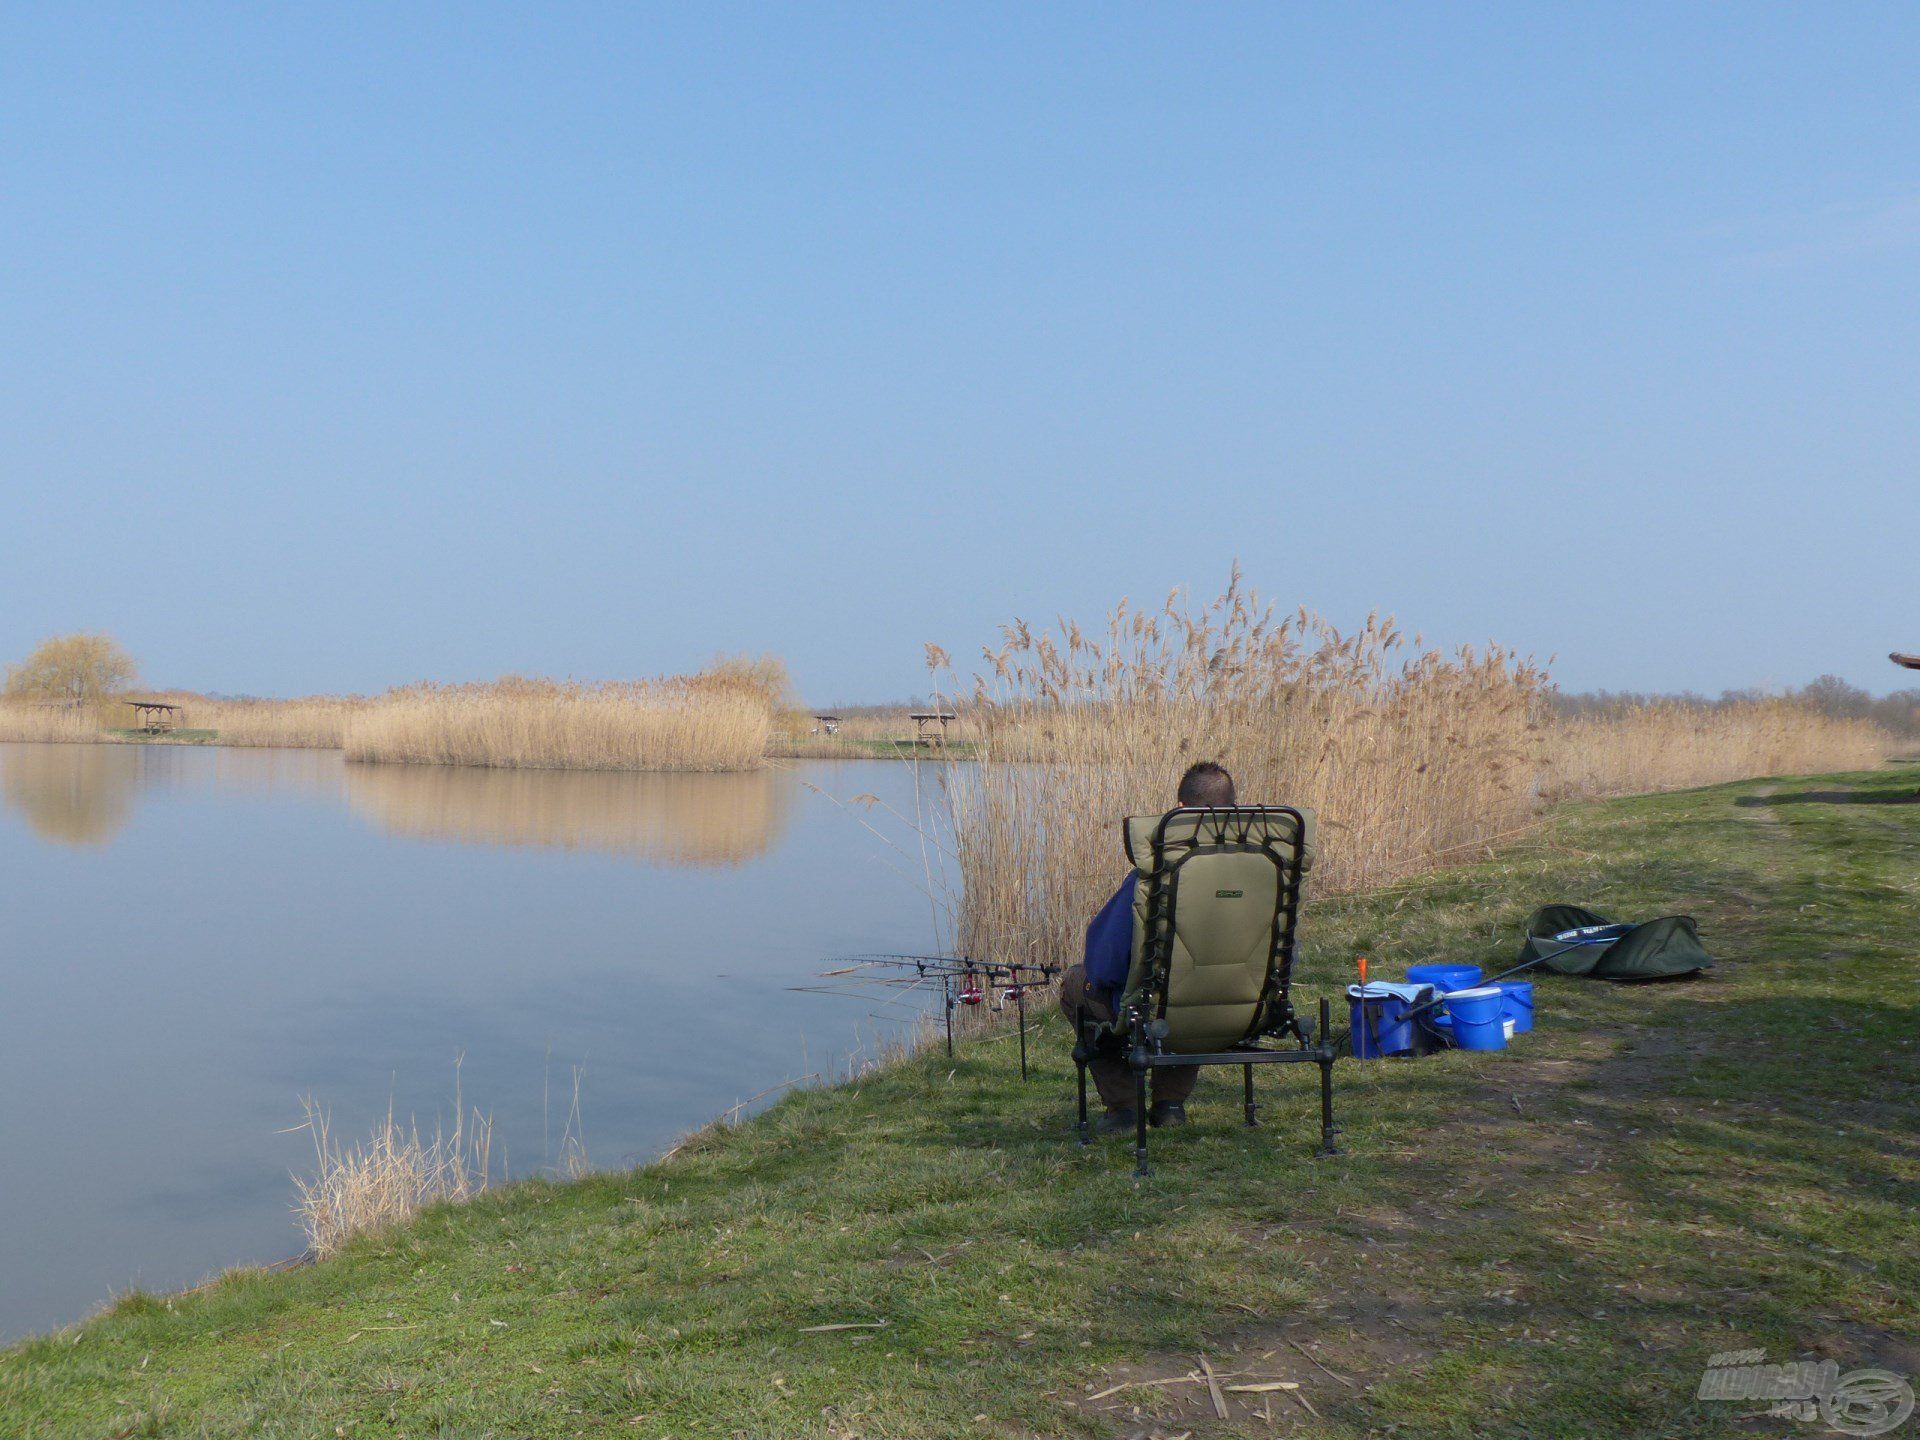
(349, 345)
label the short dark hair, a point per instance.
(1206, 783)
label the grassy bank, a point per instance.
(1546, 1242)
(835, 747)
(160, 737)
(874, 733)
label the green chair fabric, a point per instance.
(1215, 910)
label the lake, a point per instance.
(192, 939)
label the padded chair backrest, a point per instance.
(1214, 915)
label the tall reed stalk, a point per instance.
(1407, 754)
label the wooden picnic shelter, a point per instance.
(930, 727)
(156, 717)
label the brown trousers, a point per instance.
(1112, 1075)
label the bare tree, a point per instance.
(78, 669)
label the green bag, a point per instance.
(1584, 942)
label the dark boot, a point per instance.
(1167, 1112)
(1116, 1122)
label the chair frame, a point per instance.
(1144, 1026)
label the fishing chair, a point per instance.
(1216, 905)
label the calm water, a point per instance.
(193, 939)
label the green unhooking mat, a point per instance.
(1583, 943)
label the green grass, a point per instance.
(836, 747)
(164, 737)
(1548, 1241)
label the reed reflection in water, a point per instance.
(70, 794)
(669, 819)
(87, 794)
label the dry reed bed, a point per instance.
(645, 725)
(1411, 757)
(716, 721)
(53, 723)
(1675, 746)
(317, 722)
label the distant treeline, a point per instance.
(1829, 695)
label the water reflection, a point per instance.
(86, 794)
(244, 927)
(666, 819)
(73, 794)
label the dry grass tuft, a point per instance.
(388, 1178)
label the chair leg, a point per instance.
(1327, 1127)
(1080, 1055)
(1080, 1064)
(1249, 1069)
(1140, 1120)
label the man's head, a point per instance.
(1206, 783)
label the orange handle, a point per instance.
(1363, 972)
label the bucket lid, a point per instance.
(1479, 992)
(1409, 992)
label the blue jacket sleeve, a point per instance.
(1110, 942)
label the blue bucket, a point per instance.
(1445, 978)
(1379, 1024)
(1477, 1021)
(1516, 1005)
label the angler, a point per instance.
(1095, 984)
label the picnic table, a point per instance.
(930, 727)
(156, 717)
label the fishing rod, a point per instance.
(980, 982)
